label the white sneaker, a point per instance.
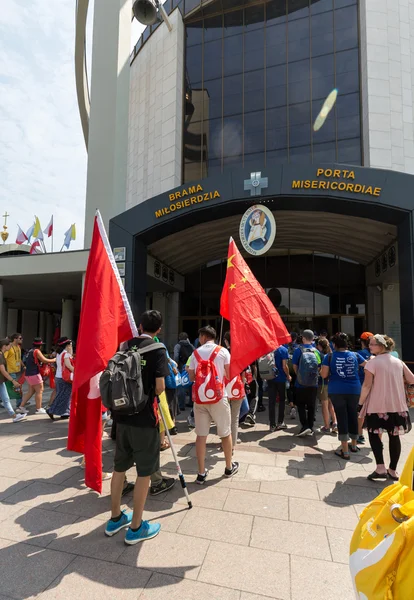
(21, 411)
(18, 418)
(40, 411)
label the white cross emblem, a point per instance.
(255, 184)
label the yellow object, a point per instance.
(166, 413)
(382, 547)
(37, 228)
(73, 232)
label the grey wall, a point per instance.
(387, 83)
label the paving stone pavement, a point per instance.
(279, 529)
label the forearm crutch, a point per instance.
(180, 473)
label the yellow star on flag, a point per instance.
(233, 285)
(229, 263)
(244, 279)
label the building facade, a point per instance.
(233, 91)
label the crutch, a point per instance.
(180, 473)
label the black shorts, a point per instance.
(139, 445)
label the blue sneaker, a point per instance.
(145, 532)
(112, 527)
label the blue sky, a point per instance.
(42, 152)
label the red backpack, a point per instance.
(234, 388)
(207, 388)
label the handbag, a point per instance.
(66, 374)
(382, 547)
(409, 392)
(172, 381)
(185, 380)
(44, 368)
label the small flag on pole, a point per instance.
(21, 236)
(37, 232)
(29, 232)
(49, 229)
(34, 247)
(70, 235)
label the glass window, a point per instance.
(276, 117)
(280, 157)
(254, 132)
(253, 162)
(191, 5)
(213, 28)
(348, 105)
(297, 10)
(233, 23)
(276, 138)
(213, 99)
(322, 6)
(253, 90)
(194, 63)
(346, 28)
(233, 136)
(212, 60)
(349, 127)
(233, 55)
(253, 50)
(233, 95)
(324, 152)
(214, 133)
(349, 151)
(254, 17)
(275, 13)
(346, 61)
(257, 76)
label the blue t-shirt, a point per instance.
(366, 355)
(343, 373)
(281, 354)
(296, 359)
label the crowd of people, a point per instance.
(358, 390)
(33, 367)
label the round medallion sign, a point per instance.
(257, 229)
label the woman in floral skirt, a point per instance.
(384, 405)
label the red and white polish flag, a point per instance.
(49, 229)
(21, 236)
(106, 321)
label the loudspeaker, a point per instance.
(145, 12)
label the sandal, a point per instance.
(354, 450)
(374, 476)
(342, 454)
(164, 446)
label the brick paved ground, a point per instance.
(279, 529)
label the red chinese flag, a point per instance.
(256, 327)
(106, 321)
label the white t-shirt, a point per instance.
(59, 361)
(222, 358)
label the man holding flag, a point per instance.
(98, 340)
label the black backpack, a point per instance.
(186, 351)
(121, 386)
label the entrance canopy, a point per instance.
(355, 238)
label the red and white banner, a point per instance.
(106, 321)
(21, 236)
(34, 247)
(49, 229)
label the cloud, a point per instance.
(42, 153)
